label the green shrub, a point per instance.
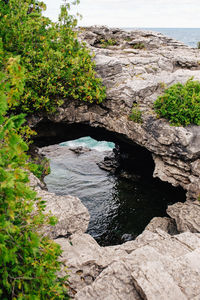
(107, 43)
(39, 168)
(136, 115)
(198, 45)
(180, 104)
(38, 164)
(138, 46)
(29, 262)
(56, 65)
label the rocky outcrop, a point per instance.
(186, 215)
(72, 215)
(135, 67)
(168, 225)
(154, 266)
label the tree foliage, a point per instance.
(29, 261)
(180, 104)
(57, 66)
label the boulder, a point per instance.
(72, 215)
(166, 224)
(80, 150)
(110, 163)
(186, 215)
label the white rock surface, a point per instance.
(148, 272)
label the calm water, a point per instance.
(189, 36)
(117, 205)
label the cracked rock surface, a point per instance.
(156, 265)
(135, 70)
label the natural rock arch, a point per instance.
(137, 76)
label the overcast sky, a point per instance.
(133, 13)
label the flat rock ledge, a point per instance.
(135, 67)
(155, 266)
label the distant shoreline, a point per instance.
(189, 36)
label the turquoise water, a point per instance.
(189, 36)
(90, 143)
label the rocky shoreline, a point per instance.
(158, 264)
(136, 76)
(161, 263)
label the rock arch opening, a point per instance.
(121, 200)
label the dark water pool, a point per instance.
(118, 205)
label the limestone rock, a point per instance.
(184, 268)
(135, 70)
(72, 215)
(138, 76)
(148, 272)
(119, 272)
(153, 282)
(112, 284)
(166, 224)
(186, 215)
(192, 241)
(85, 259)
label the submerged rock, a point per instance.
(110, 163)
(132, 177)
(80, 150)
(127, 237)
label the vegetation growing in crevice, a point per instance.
(136, 114)
(180, 104)
(107, 43)
(138, 46)
(39, 166)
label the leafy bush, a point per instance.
(40, 167)
(29, 261)
(180, 104)
(56, 65)
(136, 114)
(107, 43)
(138, 46)
(198, 45)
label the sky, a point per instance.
(133, 13)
